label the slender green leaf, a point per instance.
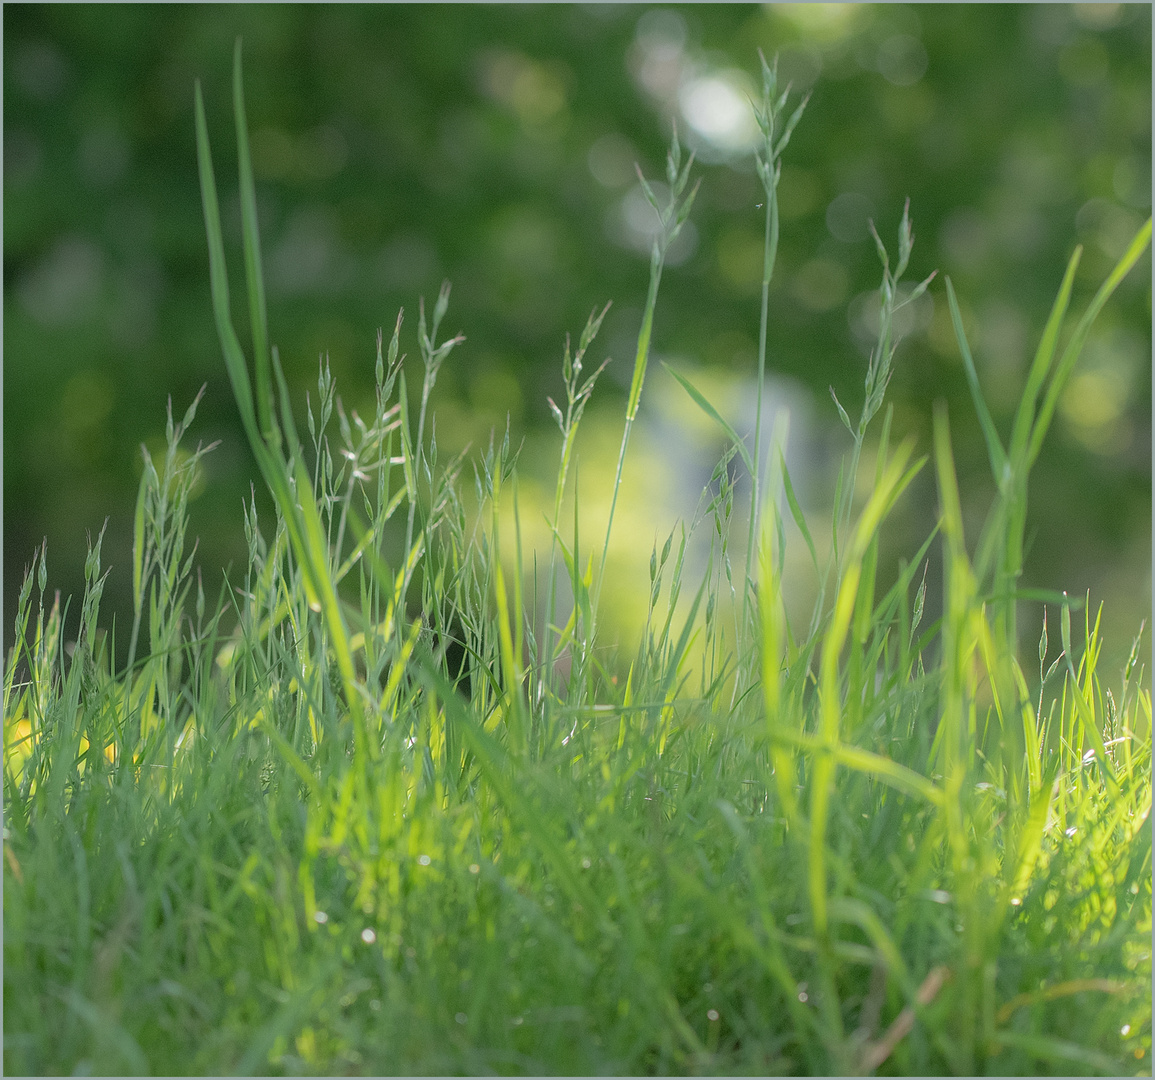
(1041, 365)
(254, 276)
(1000, 466)
(218, 277)
(1075, 346)
(710, 411)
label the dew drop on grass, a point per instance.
(1125, 1030)
(586, 864)
(368, 935)
(424, 860)
(461, 1018)
(474, 868)
(712, 1014)
(320, 917)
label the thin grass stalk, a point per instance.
(432, 355)
(769, 166)
(577, 395)
(773, 647)
(657, 259)
(671, 219)
(770, 251)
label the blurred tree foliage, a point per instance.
(397, 145)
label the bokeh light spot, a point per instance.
(39, 69)
(799, 192)
(534, 92)
(828, 21)
(910, 317)
(1094, 404)
(902, 60)
(848, 216)
(635, 224)
(1108, 225)
(964, 239)
(1131, 180)
(1097, 16)
(820, 285)
(740, 257)
(658, 55)
(62, 287)
(1084, 62)
(611, 160)
(87, 400)
(717, 107)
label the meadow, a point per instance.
(404, 808)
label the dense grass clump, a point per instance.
(307, 829)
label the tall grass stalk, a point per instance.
(671, 218)
(775, 137)
(357, 817)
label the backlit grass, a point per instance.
(415, 815)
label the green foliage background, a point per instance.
(395, 146)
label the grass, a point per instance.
(309, 830)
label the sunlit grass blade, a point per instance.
(893, 482)
(1000, 465)
(1041, 365)
(1075, 345)
(699, 399)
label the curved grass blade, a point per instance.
(713, 414)
(1000, 466)
(1078, 338)
(1041, 365)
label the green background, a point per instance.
(395, 146)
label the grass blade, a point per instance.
(218, 277)
(1075, 346)
(713, 414)
(254, 275)
(1041, 365)
(1000, 466)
